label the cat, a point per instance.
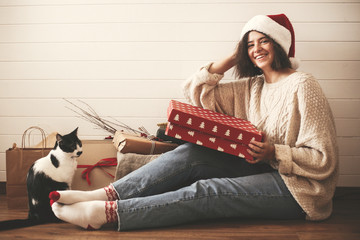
(50, 173)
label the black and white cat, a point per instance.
(50, 173)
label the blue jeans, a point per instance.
(195, 183)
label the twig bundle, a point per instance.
(90, 115)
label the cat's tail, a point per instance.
(19, 223)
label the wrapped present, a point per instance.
(207, 140)
(213, 123)
(130, 143)
(102, 164)
(96, 166)
(210, 129)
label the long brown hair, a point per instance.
(244, 67)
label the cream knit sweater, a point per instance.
(296, 118)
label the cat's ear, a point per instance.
(75, 131)
(58, 137)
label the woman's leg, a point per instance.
(170, 171)
(257, 196)
(181, 167)
(173, 170)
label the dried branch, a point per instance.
(89, 114)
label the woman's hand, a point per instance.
(261, 151)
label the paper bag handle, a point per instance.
(43, 136)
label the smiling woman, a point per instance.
(288, 106)
(261, 50)
(268, 56)
(292, 176)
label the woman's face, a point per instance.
(260, 50)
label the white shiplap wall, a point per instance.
(127, 59)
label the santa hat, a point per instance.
(279, 28)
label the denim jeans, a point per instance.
(194, 183)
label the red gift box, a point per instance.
(210, 141)
(211, 129)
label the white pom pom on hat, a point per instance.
(279, 28)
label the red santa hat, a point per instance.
(279, 28)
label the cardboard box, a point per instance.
(93, 152)
(129, 143)
(211, 129)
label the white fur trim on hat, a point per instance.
(295, 63)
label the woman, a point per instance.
(295, 168)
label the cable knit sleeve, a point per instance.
(204, 90)
(314, 154)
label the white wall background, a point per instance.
(127, 59)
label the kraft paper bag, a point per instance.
(18, 162)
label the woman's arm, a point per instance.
(203, 89)
(222, 66)
(314, 154)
